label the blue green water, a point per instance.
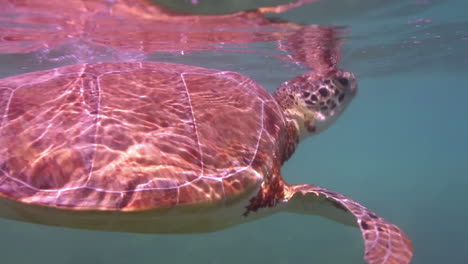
(401, 149)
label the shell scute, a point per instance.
(201, 190)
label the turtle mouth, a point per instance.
(348, 82)
(328, 99)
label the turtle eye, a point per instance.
(343, 81)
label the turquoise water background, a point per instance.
(401, 149)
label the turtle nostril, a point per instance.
(343, 81)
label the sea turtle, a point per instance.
(166, 148)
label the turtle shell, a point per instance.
(134, 136)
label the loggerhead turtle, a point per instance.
(167, 148)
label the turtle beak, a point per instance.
(348, 80)
(353, 84)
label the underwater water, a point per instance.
(401, 149)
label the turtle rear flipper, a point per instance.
(384, 242)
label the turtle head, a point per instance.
(313, 102)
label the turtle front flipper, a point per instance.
(384, 242)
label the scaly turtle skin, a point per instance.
(167, 148)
